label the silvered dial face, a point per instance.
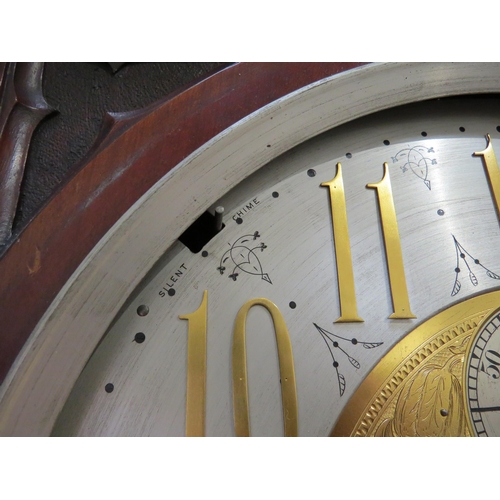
(328, 267)
(483, 379)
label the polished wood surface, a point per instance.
(22, 107)
(133, 152)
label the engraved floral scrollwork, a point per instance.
(423, 395)
(242, 256)
(415, 160)
(431, 403)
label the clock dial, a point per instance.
(329, 257)
(482, 376)
(426, 384)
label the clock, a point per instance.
(481, 383)
(355, 266)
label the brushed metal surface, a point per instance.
(58, 349)
(450, 198)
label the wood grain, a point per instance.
(135, 150)
(83, 93)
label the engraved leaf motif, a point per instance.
(341, 383)
(371, 345)
(353, 362)
(433, 389)
(431, 403)
(386, 428)
(456, 288)
(473, 278)
(493, 275)
(437, 386)
(406, 415)
(455, 425)
(425, 396)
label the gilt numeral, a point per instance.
(343, 258)
(287, 370)
(392, 242)
(492, 171)
(196, 369)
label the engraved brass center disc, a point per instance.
(418, 387)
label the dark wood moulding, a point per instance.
(22, 107)
(133, 152)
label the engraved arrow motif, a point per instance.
(332, 342)
(462, 254)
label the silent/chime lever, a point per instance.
(219, 213)
(203, 229)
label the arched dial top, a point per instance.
(110, 355)
(274, 359)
